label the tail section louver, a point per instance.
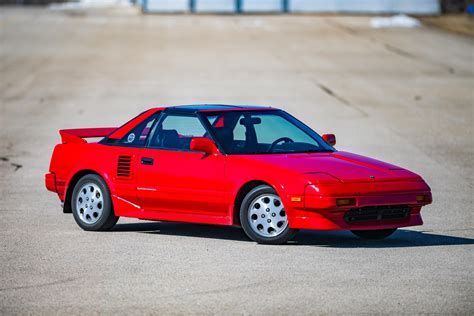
(124, 167)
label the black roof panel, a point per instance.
(212, 107)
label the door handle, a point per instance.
(147, 161)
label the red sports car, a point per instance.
(257, 167)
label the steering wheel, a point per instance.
(279, 140)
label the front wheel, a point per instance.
(374, 234)
(263, 217)
(92, 205)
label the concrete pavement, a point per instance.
(400, 95)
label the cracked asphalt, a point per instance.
(400, 95)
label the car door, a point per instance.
(173, 179)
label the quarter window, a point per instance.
(138, 135)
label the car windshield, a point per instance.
(263, 132)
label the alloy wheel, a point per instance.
(267, 216)
(90, 203)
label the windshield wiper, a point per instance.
(314, 151)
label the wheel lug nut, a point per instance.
(268, 210)
(269, 220)
(87, 199)
(263, 215)
(86, 206)
(93, 202)
(273, 214)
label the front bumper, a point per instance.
(377, 208)
(315, 203)
(337, 220)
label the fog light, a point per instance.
(345, 202)
(420, 198)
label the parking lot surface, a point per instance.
(400, 95)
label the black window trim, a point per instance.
(202, 116)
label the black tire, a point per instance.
(374, 234)
(107, 219)
(282, 237)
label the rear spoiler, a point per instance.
(77, 135)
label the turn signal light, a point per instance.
(345, 202)
(420, 198)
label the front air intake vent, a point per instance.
(378, 214)
(124, 167)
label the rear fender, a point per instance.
(75, 176)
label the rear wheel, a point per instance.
(374, 234)
(91, 204)
(263, 217)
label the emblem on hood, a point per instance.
(372, 177)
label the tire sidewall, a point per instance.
(107, 211)
(283, 237)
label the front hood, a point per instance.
(346, 167)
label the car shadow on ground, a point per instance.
(402, 238)
(337, 239)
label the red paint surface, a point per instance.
(197, 187)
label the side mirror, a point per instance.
(203, 144)
(330, 139)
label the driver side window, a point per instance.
(176, 131)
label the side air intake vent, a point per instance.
(124, 167)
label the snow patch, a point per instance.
(90, 4)
(400, 20)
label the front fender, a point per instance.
(288, 185)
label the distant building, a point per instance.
(419, 7)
